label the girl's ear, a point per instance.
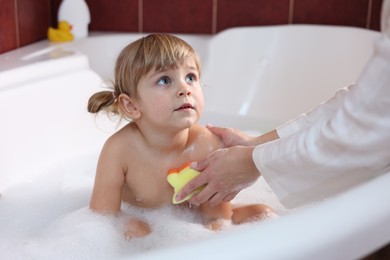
(128, 107)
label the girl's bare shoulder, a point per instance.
(123, 138)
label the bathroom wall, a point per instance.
(25, 21)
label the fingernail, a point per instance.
(194, 165)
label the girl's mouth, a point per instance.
(185, 106)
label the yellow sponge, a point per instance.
(178, 178)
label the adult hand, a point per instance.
(225, 173)
(232, 137)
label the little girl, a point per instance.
(157, 89)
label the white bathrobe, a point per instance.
(341, 143)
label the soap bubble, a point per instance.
(47, 217)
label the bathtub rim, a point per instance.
(286, 247)
(17, 57)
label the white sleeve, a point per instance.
(339, 151)
(322, 112)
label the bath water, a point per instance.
(47, 217)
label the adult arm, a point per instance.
(346, 144)
(333, 154)
(340, 152)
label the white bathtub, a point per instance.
(256, 78)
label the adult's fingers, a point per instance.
(230, 196)
(192, 185)
(201, 165)
(218, 131)
(217, 198)
(203, 196)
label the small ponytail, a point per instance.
(103, 100)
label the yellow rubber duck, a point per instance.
(62, 34)
(177, 178)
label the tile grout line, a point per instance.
(369, 11)
(291, 12)
(214, 17)
(17, 24)
(140, 16)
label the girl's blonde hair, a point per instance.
(155, 51)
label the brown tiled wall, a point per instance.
(26, 21)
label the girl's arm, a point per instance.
(107, 191)
(110, 177)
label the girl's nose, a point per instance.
(184, 90)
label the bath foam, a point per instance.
(47, 217)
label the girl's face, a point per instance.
(172, 98)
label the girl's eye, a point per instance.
(191, 78)
(164, 81)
